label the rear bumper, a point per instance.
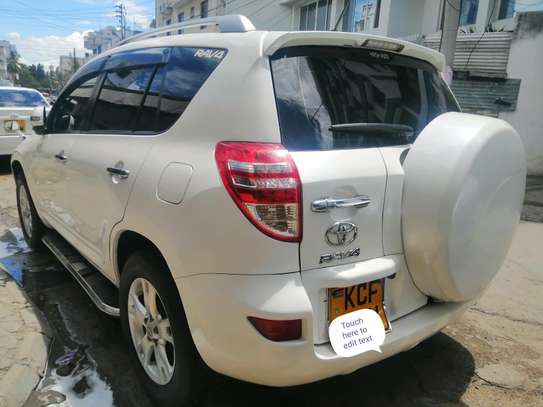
(217, 307)
(8, 144)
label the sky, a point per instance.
(42, 30)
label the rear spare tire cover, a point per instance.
(464, 186)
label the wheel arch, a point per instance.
(129, 242)
(17, 168)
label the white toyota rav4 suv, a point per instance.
(230, 194)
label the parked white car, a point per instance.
(18, 107)
(240, 190)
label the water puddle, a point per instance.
(74, 377)
(12, 243)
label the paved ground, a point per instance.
(492, 356)
(24, 344)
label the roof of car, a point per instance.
(264, 43)
(16, 88)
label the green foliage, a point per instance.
(31, 76)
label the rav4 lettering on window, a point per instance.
(210, 53)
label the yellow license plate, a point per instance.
(366, 295)
(8, 124)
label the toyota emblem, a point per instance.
(341, 234)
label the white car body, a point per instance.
(11, 136)
(226, 269)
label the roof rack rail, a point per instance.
(233, 23)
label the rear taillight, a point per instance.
(263, 181)
(278, 331)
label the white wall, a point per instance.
(215, 7)
(525, 62)
(265, 15)
(406, 18)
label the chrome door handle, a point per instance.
(60, 156)
(121, 172)
(325, 204)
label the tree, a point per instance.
(33, 76)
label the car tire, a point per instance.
(172, 372)
(31, 224)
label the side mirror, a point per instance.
(38, 119)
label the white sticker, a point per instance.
(210, 53)
(357, 332)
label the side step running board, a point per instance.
(100, 290)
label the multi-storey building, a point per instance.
(6, 51)
(101, 40)
(172, 11)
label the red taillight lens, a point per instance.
(263, 181)
(278, 331)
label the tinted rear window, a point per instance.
(21, 98)
(185, 74)
(317, 87)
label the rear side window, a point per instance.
(147, 120)
(320, 87)
(120, 98)
(185, 74)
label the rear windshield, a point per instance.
(318, 87)
(21, 98)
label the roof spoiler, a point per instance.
(356, 40)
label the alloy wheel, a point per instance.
(151, 331)
(26, 213)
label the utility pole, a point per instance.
(451, 20)
(74, 63)
(120, 13)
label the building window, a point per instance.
(180, 19)
(316, 16)
(192, 12)
(507, 9)
(468, 11)
(204, 7)
(362, 15)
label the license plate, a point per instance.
(9, 124)
(366, 295)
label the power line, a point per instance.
(345, 6)
(483, 34)
(454, 8)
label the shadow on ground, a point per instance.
(533, 200)
(436, 372)
(5, 165)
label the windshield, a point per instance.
(319, 88)
(21, 98)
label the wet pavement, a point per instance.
(89, 364)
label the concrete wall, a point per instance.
(269, 15)
(215, 7)
(406, 18)
(525, 63)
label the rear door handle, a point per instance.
(120, 172)
(325, 204)
(60, 156)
